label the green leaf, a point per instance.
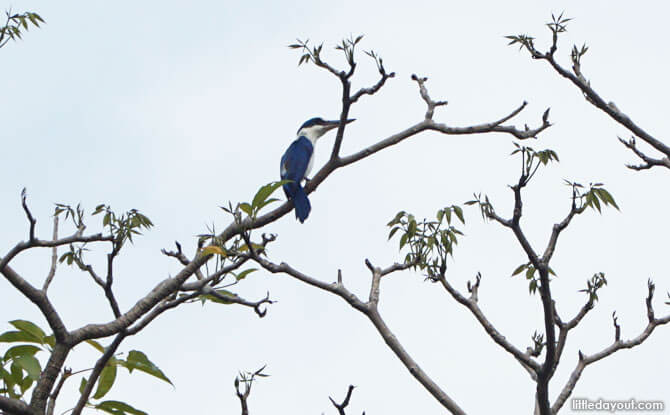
(118, 408)
(519, 269)
(22, 350)
(215, 299)
(396, 219)
(595, 200)
(50, 340)
(246, 208)
(267, 202)
(106, 380)
(82, 385)
(244, 273)
(265, 191)
(18, 336)
(97, 346)
(30, 364)
(411, 229)
(29, 327)
(459, 213)
(403, 240)
(25, 384)
(530, 272)
(393, 231)
(140, 361)
(17, 373)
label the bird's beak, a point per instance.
(333, 124)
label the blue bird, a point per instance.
(296, 163)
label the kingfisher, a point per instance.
(297, 161)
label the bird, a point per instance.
(297, 161)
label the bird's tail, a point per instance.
(301, 203)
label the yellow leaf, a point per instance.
(212, 249)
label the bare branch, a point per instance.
(649, 162)
(618, 344)
(38, 243)
(413, 367)
(341, 406)
(564, 328)
(179, 255)
(595, 99)
(373, 89)
(54, 395)
(247, 379)
(15, 407)
(370, 310)
(472, 305)
(48, 377)
(559, 227)
(29, 215)
(164, 305)
(38, 298)
(424, 94)
(54, 258)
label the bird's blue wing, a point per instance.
(294, 164)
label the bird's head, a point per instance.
(314, 128)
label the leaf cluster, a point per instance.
(538, 344)
(523, 41)
(530, 271)
(259, 201)
(309, 53)
(19, 368)
(593, 285)
(135, 360)
(430, 242)
(558, 23)
(123, 227)
(532, 159)
(577, 53)
(248, 377)
(347, 47)
(15, 23)
(595, 197)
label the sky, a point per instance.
(176, 108)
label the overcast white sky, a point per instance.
(174, 108)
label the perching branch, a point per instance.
(163, 296)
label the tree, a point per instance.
(215, 268)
